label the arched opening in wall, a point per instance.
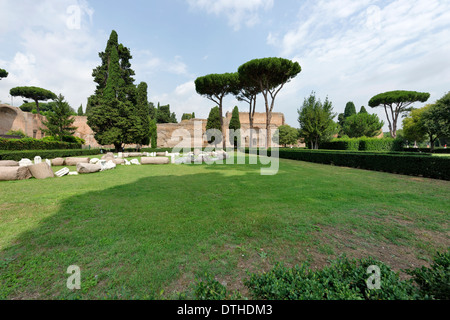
(7, 118)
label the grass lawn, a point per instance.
(141, 232)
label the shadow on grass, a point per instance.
(131, 240)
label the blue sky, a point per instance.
(349, 50)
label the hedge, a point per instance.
(46, 154)
(416, 165)
(363, 144)
(52, 154)
(34, 144)
(427, 150)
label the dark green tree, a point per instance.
(214, 127)
(413, 126)
(235, 124)
(163, 115)
(363, 125)
(80, 111)
(153, 133)
(287, 135)
(316, 121)
(350, 110)
(140, 128)
(34, 93)
(188, 116)
(215, 87)
(110, 111)
(59, 122)
(270, 75)
(363, 110)
(436, 120)
(397, 103)
(116, 112)
(3, 73)
(152, 110)
(31, 107)
(124, 70)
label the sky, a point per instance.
(349, 50)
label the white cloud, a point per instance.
(49, 51)
(352, 50)
(238, 12)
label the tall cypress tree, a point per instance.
(141, 120)
(114, 113)
(350, 110)
(235, 124)
(214, 126)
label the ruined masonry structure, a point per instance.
(169, 134)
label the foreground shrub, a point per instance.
(344, 279)
(434, 282)
(211, 289)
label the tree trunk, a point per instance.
(224, 142)
(37, 107)
(118, 147)
(268, 121)
(251, 128)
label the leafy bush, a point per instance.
(17, 133)
(46, 154)
(416, 165)
(386, 144)
(341, 144)
(364, 144)
(34, 144)
(344, 279)
(211, 289)
(434, 282)
(427, 150)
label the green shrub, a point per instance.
(17, 133)
(341, 144)
(34, 144)
(434, 282)
(416, 165)
(344, 279)
(427, 150)
(386, 144)
(211, 289)
(364, 144)
(46, 154)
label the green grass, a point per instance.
(148, 232)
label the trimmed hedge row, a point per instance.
(426, 166)
(427, 150)
(46, 154)
(34, 144)
(52, 154)
(364, 144)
